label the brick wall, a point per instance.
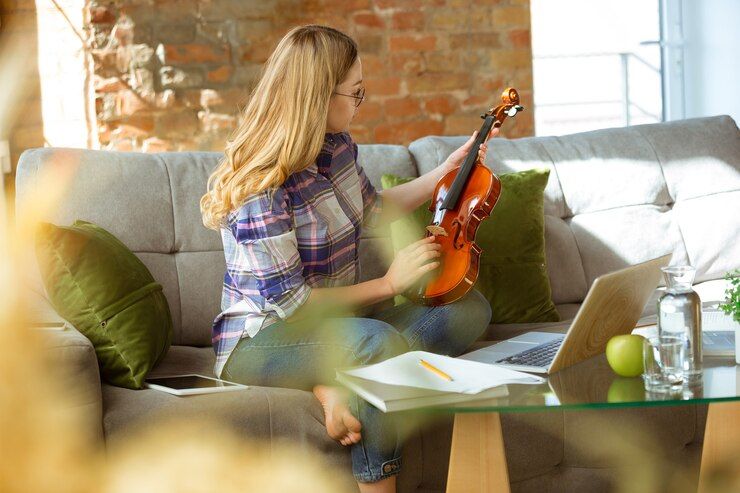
(171, 75)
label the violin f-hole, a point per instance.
(457, 239)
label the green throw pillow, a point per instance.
(97, 284)
(512, 273)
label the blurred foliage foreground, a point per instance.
(42, 441)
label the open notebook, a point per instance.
(402, 382)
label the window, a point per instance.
(596, 64)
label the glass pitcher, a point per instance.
(679, 315)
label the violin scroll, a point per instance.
(510, 107)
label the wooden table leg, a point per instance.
(721, 438)
(477, 456)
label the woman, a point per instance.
(290, 201)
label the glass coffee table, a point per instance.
(478, 460)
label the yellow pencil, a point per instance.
(435, 370)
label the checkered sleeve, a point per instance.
(265, 236)
(372, 200)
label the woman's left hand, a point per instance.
(457, 157)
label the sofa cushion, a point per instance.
(72, 356)
(377, 159)
(273, 414)
(710, 232)
(583, 160)
(699, 156)
(256, 411)
(512, 273)
(101, 288)
(564, 267)
(613, 239)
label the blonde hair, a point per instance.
(283, 125)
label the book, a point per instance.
(420, 379)
(467, 377)
(390, 398)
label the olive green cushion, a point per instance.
(97, 284)
(512, 273)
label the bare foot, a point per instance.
(340, 424)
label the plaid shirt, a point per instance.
(303, 235)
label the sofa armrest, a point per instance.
(71, 356)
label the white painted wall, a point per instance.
(711, 52)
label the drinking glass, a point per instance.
(663, 358)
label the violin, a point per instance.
(462, 199)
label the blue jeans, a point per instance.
(296, 356)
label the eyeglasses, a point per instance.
(359, 96)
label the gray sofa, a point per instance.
(615, 197)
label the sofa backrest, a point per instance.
(615, 197)
(151, 203)
(621, 196)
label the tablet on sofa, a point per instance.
(191, 384)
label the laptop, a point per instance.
(718, 343)
(718, 332)
(612, 307)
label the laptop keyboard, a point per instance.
(721, 339)
(541, 355)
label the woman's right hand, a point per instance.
(411, 263)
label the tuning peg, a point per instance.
(514, 110)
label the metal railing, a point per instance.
(628, 105)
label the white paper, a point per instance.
(468, 377)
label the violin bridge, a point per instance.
(437, 230)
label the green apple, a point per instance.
(624, 354)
